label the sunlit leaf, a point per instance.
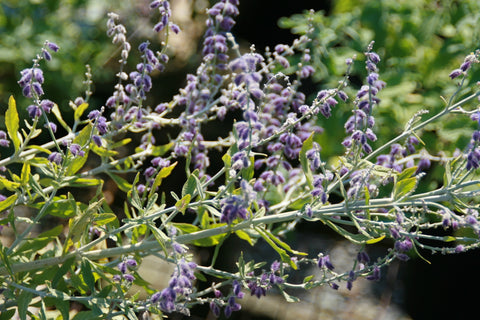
(121, 183)
(164, 172)
(104, 218)
(12, 123)
(80, 110)
(58, 114)
(244, 236)
(7, 203)
(182, 204)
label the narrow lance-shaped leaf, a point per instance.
(164, 172)
(283, 244)
(12, 123)
(23, 301)
(9, 185)
(121, 183)
(25, 175)
(87, 274)
(283, 254)
(80, 110)
(58, 115)
(190, 185)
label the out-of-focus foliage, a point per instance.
(77, 26)
(420, 43)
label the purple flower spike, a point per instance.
(455, 73)
(128, 277)
(55, 157)
(324, 262)
(76, 150)
(52, 46)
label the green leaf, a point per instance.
(58, 115)
(300, 203)
(449, 238)
(76, 164)
(247, 173)
(7, 184)
(63, 208)
(121, 143)
(105, 291)
(77, 226)
(5, 259)
(190, 185)
(186, 228)
(87, 315)
(7, 203)
(161, 150)
(66, 266)
(80, 110)
(121, 183)
(407, 173)
(61, 305)
(164, 172)
(244, 236)
(227, 161)
(85, 182)
(404, 187)
(31, 246)
(84, 135)
(23, 301)
(209, 241)
(7, 315)
(200, 276)
(160, 237)
(355, 238)
(241, 265)
(104, 218)
(201, 194)
(39, 162)
(103, 152)
(447, 176)
(283, 244)
(367, 202)
(289, 298)
(182, 204)
(54, 232)
(375, 240)
(12, 123)
(307, 145)
(57, 294)
(88, 277)
(25, 174)
(282, 253)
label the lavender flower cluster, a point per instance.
(275, 172)
(180, 285)
(359, 126)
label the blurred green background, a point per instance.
(79, 28)
(420, 43)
